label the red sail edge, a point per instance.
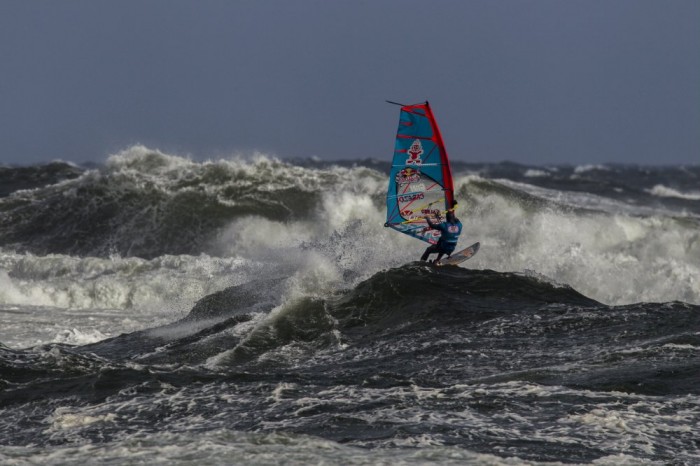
(446, 170)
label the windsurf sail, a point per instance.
(420, 183)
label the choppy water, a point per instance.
(158, 310)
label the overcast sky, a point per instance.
(533, 82)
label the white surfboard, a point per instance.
(461, 256)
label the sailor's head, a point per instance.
(450, 217)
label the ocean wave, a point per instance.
(14, 179)
(146, 207)
(259, 324)
(589, 167)
(145, 203)
(293, 310)
(534, 173)
(412, 356)
(663, 191)
(70, 282)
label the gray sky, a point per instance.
(529, 81)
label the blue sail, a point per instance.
(420, 183)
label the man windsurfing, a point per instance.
(450, 230)
(420, 183)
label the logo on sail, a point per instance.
(407, 175)
(414, 153)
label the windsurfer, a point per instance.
(451, 228)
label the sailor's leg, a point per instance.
(429, 250)
(441, 252)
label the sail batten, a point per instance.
(420, 183)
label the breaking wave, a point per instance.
(92, 239)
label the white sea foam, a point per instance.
(587, 200)
(589, 167)
(532, 173)
(114, 283)
(76, 336)
(345, 233)
(223, 446)
(66, 417)
(618, 255)
(663, 191)
(64, 299)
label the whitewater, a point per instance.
(250, 310)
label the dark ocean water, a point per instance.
(157, 310)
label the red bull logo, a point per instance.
(414, 153)
(407, 175)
